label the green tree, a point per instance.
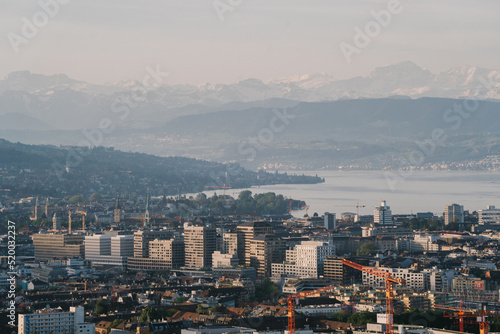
(266, 290)
(367, 248)
(95, 197)
(76, 199)
(101, 307)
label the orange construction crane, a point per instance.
(290, 302)
(389, 291)
(461, 313)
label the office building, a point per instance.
(109, 250)
(230, 243)
(490, 215)
(200, 244)
(163, 255)
(305, 260)
(340, 273)
(58, 246)
(246, 232)
(56, 322)
(330, 221)
(382, 214)
(454, 213)
(264, 251)
(144, 237)
(220, 260)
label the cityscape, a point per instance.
(249, 167)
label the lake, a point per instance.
(422, 191)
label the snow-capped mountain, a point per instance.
(65, 103)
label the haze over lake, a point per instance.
(423, 191)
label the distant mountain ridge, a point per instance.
(69, 104)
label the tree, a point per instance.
(367, 248)
(101, 307)
(266, 290)
(76, 199)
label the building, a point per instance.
(382, 214)
(220, 260)
(246, 232)
(117, 212)
(490, 215)
(330, 221)
(305, 260)
(56, 322)
(109, 250)
(200, 244)
(56, 222)
(454, 213)
(144, 237)
(230, 243)
(265, 250)
(163, 255)
(418, 281)
(58, 246)
(340, 273)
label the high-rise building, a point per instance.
(109, 250)
(144, 237)
(163, 255)
(330, 221)
(246, 232)
(454, 213)
(200, 243)
(382, 214)
(489, 215)
(58, 246)
(342, 274)
(230, 243)
(56, 322)
(264, 251)
(305, 260)
(56, 222)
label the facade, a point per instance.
(246, 232)
(340, 273)
(58, 246)
(200, 244)
(489, 215)
(109, 250)
(305, 260)
(417, 281)
(55, 322)
(452, 213)
(330, 221)
(163, 255)
(220, 260)
(382, 214)
(143, 238)
(230, 243)
(265, 250)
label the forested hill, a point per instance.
(41, 170)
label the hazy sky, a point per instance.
(109, 40)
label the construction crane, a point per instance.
(389, 290)
(291, 299)
(481, 317)
(84, 214)
(75, 283)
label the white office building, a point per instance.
(414, 280)
(56, 322)
(489, 215)
(382, 214)
(109, 250)
(305, 260)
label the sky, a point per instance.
(225, 41)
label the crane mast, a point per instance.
(389, 290)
